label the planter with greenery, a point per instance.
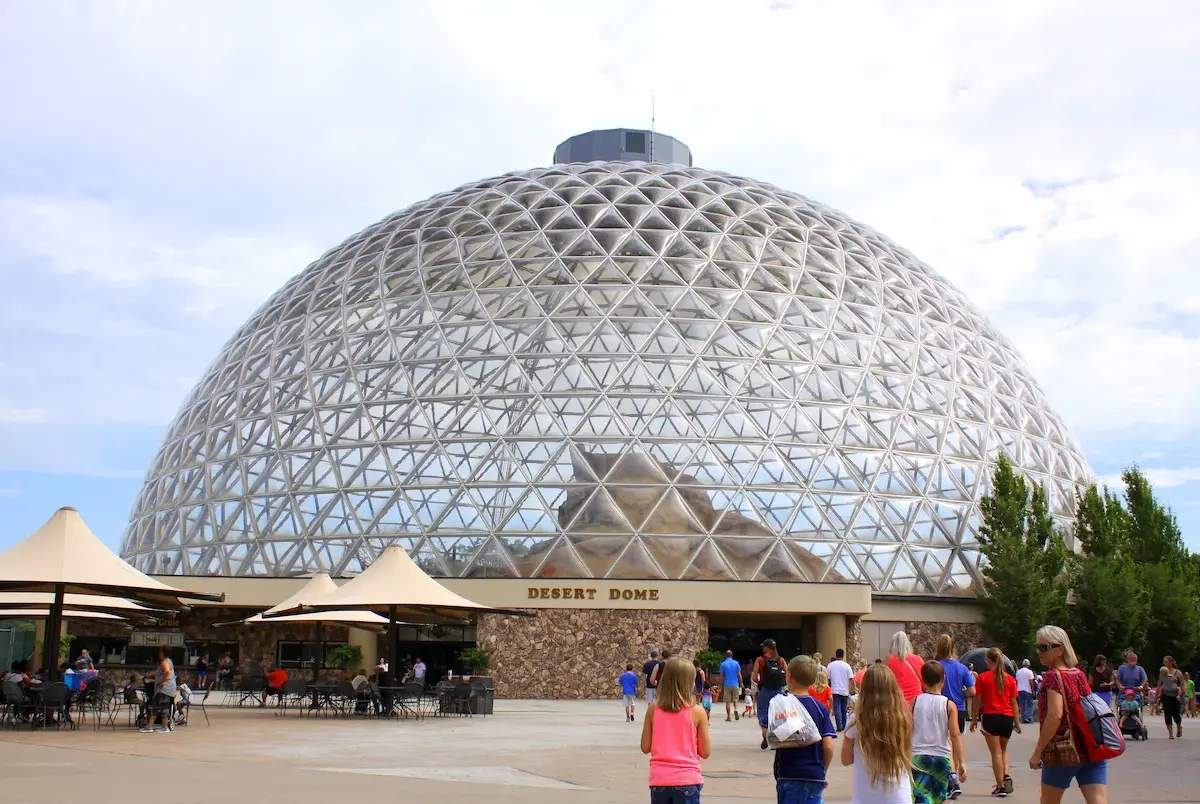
(478, 660)
(64, 648)
(346, 657)
(710, 660)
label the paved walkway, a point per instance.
(530, 751)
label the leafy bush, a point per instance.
(478, 660)
(346, 657)
(710, 659)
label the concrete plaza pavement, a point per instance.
(529, 751)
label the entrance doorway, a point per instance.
(437, 646)
(744, 634)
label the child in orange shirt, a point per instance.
(822, 691)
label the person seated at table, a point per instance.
(20, 675)
(275, 681)
(134, 684)
(360, 681)
(225, 668)
(181, 704)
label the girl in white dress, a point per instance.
(878, 742)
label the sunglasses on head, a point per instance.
(1044, 648)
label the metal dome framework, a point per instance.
(619, 370)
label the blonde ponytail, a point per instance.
(997, 656)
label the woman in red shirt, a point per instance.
(1000, 715)
(905, 666)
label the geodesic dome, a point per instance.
(621, 370)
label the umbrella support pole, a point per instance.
(53, 632)
(318, 653)
(393, 643)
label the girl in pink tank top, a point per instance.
(675, 735)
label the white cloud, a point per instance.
(10, 415)
(1162, 478)
(163, 167)
(114, 245)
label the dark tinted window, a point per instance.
(635, 142)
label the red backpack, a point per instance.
(1097, 735)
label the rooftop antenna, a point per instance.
(651, 128)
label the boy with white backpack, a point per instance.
(801, 731)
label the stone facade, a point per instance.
(578, 653)
(854, 639)
(924, 636)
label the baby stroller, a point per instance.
(1131, 707)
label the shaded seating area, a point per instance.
(393, 586)
(63, 571)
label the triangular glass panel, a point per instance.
(779, 566)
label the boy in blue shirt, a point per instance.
(629, 685)
(800, 771)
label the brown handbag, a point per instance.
(1061, 752)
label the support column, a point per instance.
(368, 642)
(54, 632)
(854, 639)
(831, 634)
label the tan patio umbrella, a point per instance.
(395, 586)
(101, 604)
(68, 614)
(64, 557)
(319, 587)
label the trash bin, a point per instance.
(485, 696)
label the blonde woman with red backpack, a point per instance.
(1056, 753)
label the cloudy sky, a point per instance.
(165, 166)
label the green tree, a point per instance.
(1134, 584)
(1023, 580)
(1174, 621)
(1101, 524)
(1154, 535)
(1111, 605)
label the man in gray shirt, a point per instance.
(1131, 675)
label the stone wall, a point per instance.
(924, 636)
(579, 653)
(853, 639)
